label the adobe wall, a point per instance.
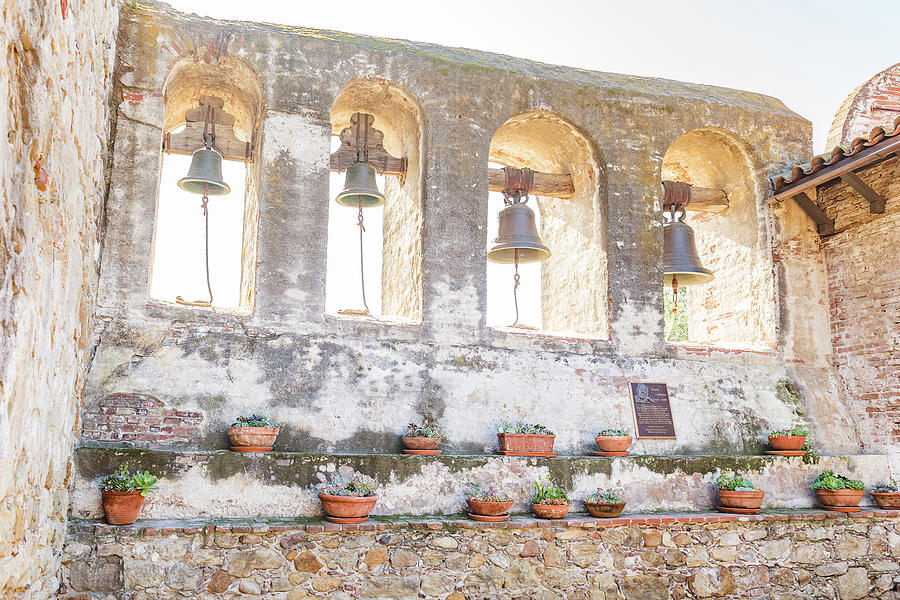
(55, 84)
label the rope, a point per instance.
(204, 303)
(362, 276)
(516, 289)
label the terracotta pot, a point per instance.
(787, 442)
(613, 443)
(525, 442)
(607, 510)
(121, 508)
(741, 499)
(257, 437)
(347, 507)
(421, 443)
(480, 507)
(839, 497)
(887, 499)
(550, 511)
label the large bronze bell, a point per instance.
(205, 174)
(680, 257)
(517, 231)
(360, 184)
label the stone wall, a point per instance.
(55, 80)
(782, 557)
(864, 298)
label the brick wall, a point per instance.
(864, 298)
(140, 421)
(874, 103)
(55, 77)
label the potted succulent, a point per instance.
(421, 440)
(738, 493)
(836, 492)
(886, 495)
(347, 499)
(604, 504)
(487, 505)
(549, 501)
(255, 433)
(613, 442)
(123, 494)
(791, 440)
(525, 439)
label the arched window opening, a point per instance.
(392, 238)
(737, 307)
(567, 292)
(216, 106)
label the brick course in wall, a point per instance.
(140, 421)
(864, 299)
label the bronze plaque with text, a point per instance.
(652, 411)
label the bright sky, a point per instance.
(809, 54)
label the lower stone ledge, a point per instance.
(209, 526)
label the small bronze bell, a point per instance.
(680, 257)
(360, 184)
(205, 174)
(517, 231)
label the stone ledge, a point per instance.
(209, 526)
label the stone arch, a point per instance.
(399, 117)
(737, 307)
(873, 103)
(574, 280)
(238, 86)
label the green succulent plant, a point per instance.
(830, 481)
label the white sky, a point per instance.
(809, 54)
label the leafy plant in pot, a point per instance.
(255, 433)
(604, 504)
(347, 499)
(836, 492)
(738, 494)
(487, 505)
(528, 439)
(548, 500)
(790, 440)
(421, 440)
(613, 442)
(123, 494)
(886, 495)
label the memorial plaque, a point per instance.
(652, 412)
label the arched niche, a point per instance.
(398, 117)
(238, 87)
(737, 308)
(574, 280)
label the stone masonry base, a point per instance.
(778, 556)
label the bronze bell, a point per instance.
(680, 257)
(360, 184)
(517, 231)
(205, 174)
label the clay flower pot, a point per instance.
(252, 439)
(741, 499)
(480, 507)
(550, 511)
(525, 442)
(787, 442)
(887, 499)
(605, 510)
(421, 443)
(347, 509)
(844, 498)
(121, 508)
(613, 443)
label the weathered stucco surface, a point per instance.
(55, 78)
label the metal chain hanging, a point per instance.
(209, 136)
(362, 276)
(518, 184)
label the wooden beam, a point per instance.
(694, 198)
(877, 202)
(824, 225)
(191, 137)
(554, 185)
